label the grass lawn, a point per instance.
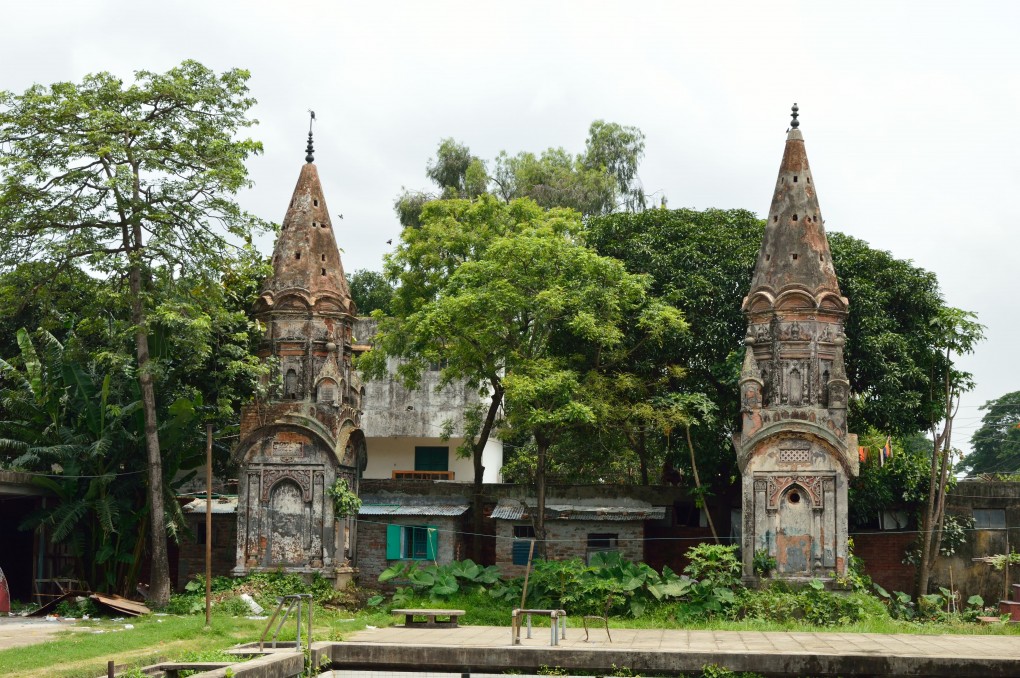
(83, 653)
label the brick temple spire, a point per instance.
(306, 257)
(794, 251)
(793, 448)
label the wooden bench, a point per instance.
(558, 619)
(430, 615)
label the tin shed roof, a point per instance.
(411, 505)
(513, 509)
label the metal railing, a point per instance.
(292, 600)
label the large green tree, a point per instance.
(701, 262)
(996, 443)
(127, 177)
(494, 289)
(601, 179)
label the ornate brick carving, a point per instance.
(794, 456)
(272, 476)
(811, 484)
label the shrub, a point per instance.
(715, 563)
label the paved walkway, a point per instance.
(481, 648)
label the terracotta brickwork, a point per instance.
(303, 433)
(794, 451)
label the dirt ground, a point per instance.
(18, 631)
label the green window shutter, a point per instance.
(431, 458)
(393, 542)
(432, 545)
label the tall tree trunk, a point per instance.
(642, 452)
(697, 484)
(159, 576)
(543, 451)
(935, 506)
(479, 448)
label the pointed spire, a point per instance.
(310, 149)
(750, 370)
(306, 258)
(794, 251)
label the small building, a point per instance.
(396, 527)
(404, 428)
(575, 528)
(191, 542)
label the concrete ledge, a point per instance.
(275, 665)
(773, 664)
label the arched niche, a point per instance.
(291, 385)
(328, 391)
(287, 519)
(795, 533)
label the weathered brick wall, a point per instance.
(372, 543)
(883, 553)
(668, 545)
(191, 551)
(569, 539)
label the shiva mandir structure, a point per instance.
(304, 433)
(794, 452)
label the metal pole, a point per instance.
(208, 525)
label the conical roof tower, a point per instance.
(306, 259)
(793, 449)
(794, 251)
(302, 434)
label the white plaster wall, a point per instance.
(386, 455)
(396, 419)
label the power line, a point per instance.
(62, 475)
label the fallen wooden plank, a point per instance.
(120, 604)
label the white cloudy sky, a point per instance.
(911, 110)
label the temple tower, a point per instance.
(794, 452)
(303, 433)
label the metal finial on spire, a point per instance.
(795, 123)
(310, 149)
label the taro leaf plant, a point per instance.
(439, 581)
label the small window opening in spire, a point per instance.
(315, 224)
(795, 217)
(809, 180)
(816, 217)
(297, 255)
(775, 218)
(821, 257)
(794, 255)
(768, 257)
(315, 203)
(794, 178)
(323, 271)
(323, 257)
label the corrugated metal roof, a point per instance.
(412, 509)
(221, 505)
(514, 510)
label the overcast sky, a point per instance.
(910, 110)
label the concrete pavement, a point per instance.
(485, 649)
